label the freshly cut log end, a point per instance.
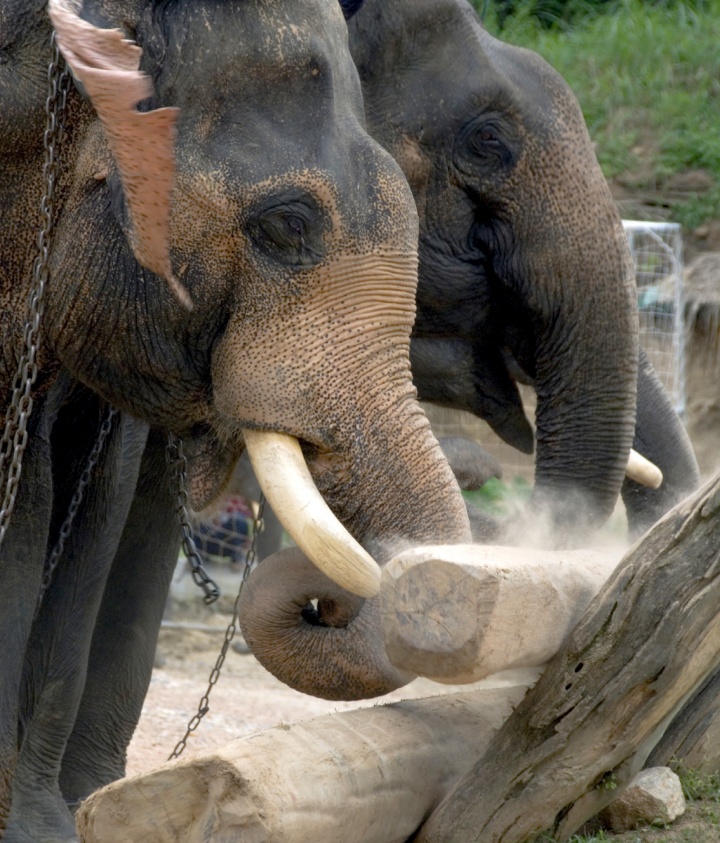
(285, 479)
(642, 471)
(458, 614)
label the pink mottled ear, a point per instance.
(142, 143)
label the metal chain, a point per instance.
(75, 502)
(15, 435)
(178, 464)
(204, 704)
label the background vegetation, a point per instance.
(647, 75)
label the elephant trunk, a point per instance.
(309, 632)
(661, 437)
(586, 375)
(370, 452)
(313, 635)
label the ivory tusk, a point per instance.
(285, 479)
(643, 471)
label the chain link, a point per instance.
(75, 502)
(178, 486)
(15, 435)
(204, 704)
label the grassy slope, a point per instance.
(648, 80)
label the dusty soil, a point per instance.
(246, 699)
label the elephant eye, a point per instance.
(289, 230)
(484, 142)
(486, 136)
(285, 230)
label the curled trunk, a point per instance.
(314, 636)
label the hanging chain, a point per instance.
(15, 435)
(204, 704)
(178, 465)
(75, 502)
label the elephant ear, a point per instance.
(142, 143)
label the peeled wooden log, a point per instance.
(644, 650)
(460, 613)
(366, 776)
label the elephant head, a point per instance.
(525, 272)
(248, 183)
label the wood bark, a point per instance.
(366, 776)
(643, 649)
(692, 740)
(459, 613)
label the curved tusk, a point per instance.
(643, 471)
(285, 479)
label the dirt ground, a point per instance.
(246, 699)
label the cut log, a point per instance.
(366, 776)
(460, 613)
(644, 648)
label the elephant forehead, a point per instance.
(260, 52)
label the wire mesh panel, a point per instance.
(657, 251)
(656, 248)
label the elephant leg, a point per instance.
(21, 561)
(59, 644)
(661, 437)
(125, 635)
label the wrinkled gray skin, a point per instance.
(525, 276)
(524, 273)
(287, 222)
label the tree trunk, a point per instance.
(644, 648)
(693, 738)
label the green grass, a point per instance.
(699, 786)
(702, 790)
(647, 77)
(598, 837)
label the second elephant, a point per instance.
(525, 272)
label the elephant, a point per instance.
(233, 260)
(525, 276)
(524, 270)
